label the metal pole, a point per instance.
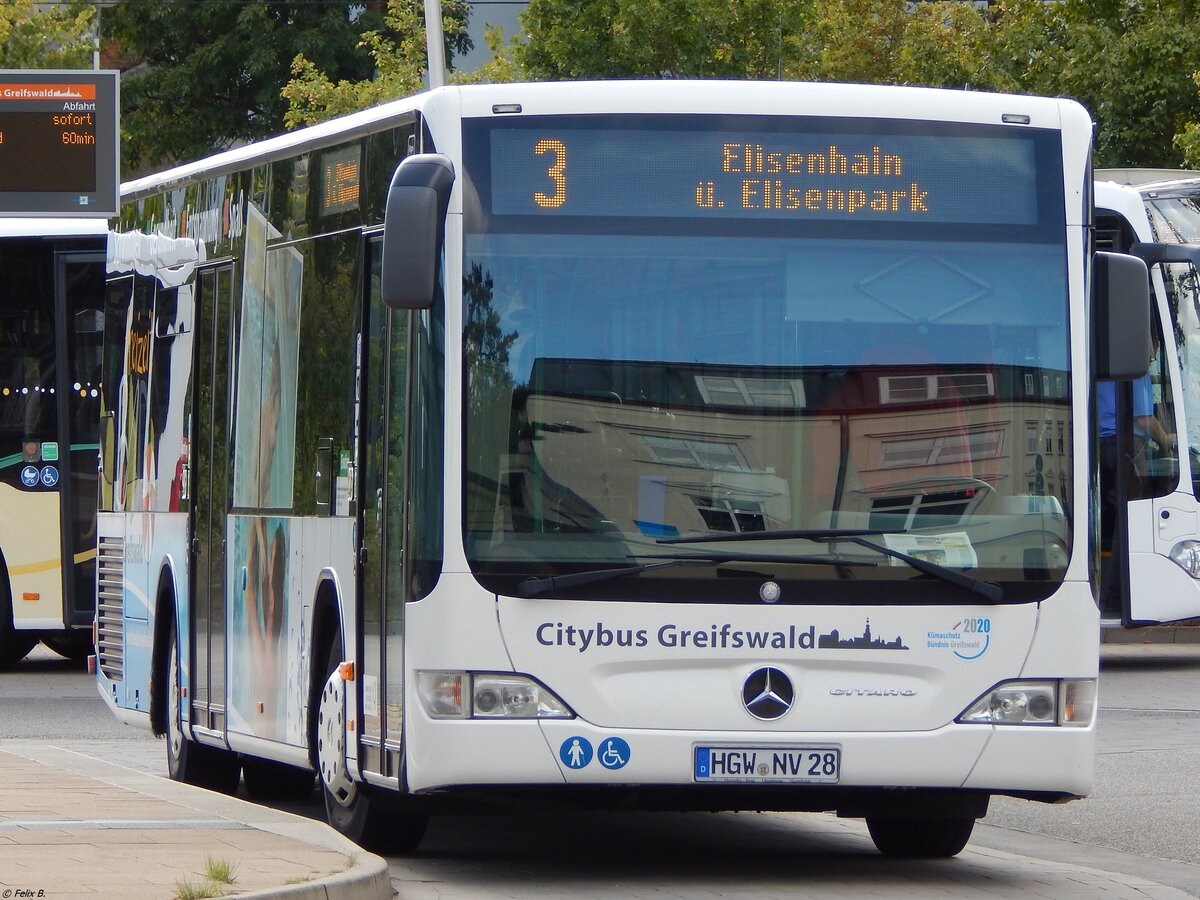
(435, 43)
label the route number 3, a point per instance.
(556, 173)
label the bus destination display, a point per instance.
(817, 175)
(58, 143)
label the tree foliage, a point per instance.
(572, 39)
(43, 36)
(1131, 63)
(209, 74)
(399, 55)
(215, 72)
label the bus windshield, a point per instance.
(685, 327)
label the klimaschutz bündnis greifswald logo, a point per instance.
(968, 638)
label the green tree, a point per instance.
(398, 52)
(1131, 63)
(41, 36)
(502, 67)
(1134, 72)
(210, 74)
(1188, 139)
(575, 39)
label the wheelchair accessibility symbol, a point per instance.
(613, 753)
(49, 476)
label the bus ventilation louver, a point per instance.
(110, 638)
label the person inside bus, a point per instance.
(1146, 428)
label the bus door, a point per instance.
(79, 283)
(1159, 420)
(383, 430)
(210, 453)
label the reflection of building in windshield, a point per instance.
(663, 449)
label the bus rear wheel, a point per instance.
(349, 808)
(914, 837)
(74, 645)
(14, 645)
(188, 761)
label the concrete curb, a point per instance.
(365, 878)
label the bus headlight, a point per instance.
(487, 695)
(1186, 555)
(1070, 703)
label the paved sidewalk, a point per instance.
(1152, 634)
(72, 826)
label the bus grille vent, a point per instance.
(110, 627)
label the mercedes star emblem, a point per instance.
(768, 693)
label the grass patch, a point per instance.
(185, 890)
(219, 870)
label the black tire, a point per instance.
(349, 807)
(267, 779)
(920, 838)
(188, 761)
(73, 645)
(14, 645)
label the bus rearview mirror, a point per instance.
(1121, 306)
(415, 229)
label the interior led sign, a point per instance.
(58, 143)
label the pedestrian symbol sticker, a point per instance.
(49, 476)
(575, 752)
(29, 476)
(613, 753)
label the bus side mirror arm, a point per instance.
(415, 229)
(1151, 254)
(1121, 317)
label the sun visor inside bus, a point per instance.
(414, 230)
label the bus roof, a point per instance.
(1141, 178)
(39, 227)
(651, 97)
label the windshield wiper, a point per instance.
(989, 590)
(811, 534)
(531, 587)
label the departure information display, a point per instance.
(778, 169)
(58, 143)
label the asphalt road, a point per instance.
(1146, 798)
(1142, 818)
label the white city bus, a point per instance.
(51, 296)
(1157, 528)
(663, 445)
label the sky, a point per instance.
(484, 12)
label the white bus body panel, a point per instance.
(891, 711)
(687, 664)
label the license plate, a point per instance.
(801, 765)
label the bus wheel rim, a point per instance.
(174, 723)
(331, 742)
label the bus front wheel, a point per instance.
(188, 761)
(913, 837)
(348, 806)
